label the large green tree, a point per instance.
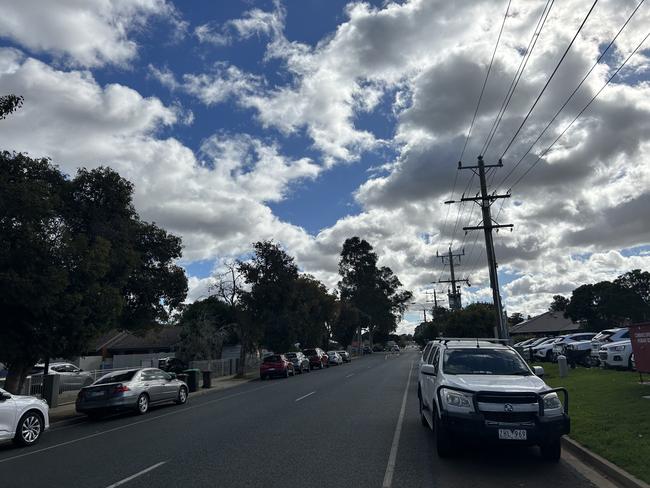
(205, 324)
(559, 303)
(606, 304)
(313, 312)
(271, 275)
(76, 260)
(376, 292)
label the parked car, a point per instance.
(395, 349)
(605, 337)
(476, 389)
(23, 419)
(559, 345)
(71, 377)
(544, 351)
(345, 356)
(540, 341)
(525, 343)
(299, 361)
(317, 358)
(276, 365)
(131, 389)
(367, 350)
(578, 353)
(617, 355)
(172, 365)
(334, 358)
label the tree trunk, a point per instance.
(241, 366)
(16, 377)
(370, 337)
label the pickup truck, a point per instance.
(484, 391)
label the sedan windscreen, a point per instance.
(489, 362)
(116, 378)
(272, 359)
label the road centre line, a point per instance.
(126, 426)
(139, 473)
(349, 375)
(305, 396)
(390, 467)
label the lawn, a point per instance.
(609, 414)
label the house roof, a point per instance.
(158, 338)
(548, 322)
(107, 338)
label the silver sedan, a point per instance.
(133, 389)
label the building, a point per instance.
(546, 324)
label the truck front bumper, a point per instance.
(474, 426)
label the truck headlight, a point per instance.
(552, 402)
(455, 400)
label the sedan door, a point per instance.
(152, 383)
(170, 387)
(7, 415)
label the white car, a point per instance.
(23, 419)
(334, 358)
(480, 390)
(559, 345)
(605, 337)
(544, 351)
(617, 354)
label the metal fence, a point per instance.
(225, 367)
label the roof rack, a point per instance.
(445, 340)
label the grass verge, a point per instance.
(609, 414)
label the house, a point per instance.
(546, 324)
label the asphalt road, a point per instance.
(335, 427)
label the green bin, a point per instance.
(193, 376)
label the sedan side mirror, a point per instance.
(4, 396)
(172, 375)
(539, 371)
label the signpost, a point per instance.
(640, 336)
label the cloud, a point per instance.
(80, 33)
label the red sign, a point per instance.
(640, 335)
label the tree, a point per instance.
(9, 104)
(75, 261)
(475, 320)
(605, 304)
(375, 292)
(312, 313)
(205, 324)
(637, 281)
(347, 322)
(515, 318)
(271, 275)
(559, 303)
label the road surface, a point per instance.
(355, 425)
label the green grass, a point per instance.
(609, 414)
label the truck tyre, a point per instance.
(551, 451)
(444, 443)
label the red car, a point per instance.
(317, 358)
(276, 365)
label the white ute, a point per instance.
(481, 390)
(23, 419)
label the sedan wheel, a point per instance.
(182, 396)
(29, 429)
(143, 404)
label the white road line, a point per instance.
(126, 426)
(139, 473)
(305, 396)
(351, 374)
(390, 467)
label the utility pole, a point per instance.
(454, 293)
(485, 202)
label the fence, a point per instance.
(225, 367)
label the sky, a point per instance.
(309, 122)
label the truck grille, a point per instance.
(509, 417)
(507, 398)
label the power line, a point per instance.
(487, 75)
(523, 122)
(530, 168)
(572, 94)
(520, 71)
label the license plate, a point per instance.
(513, 434)
(271, 369)
(94, 394)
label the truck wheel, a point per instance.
(551, 451)
(423, 419)
(444, 443)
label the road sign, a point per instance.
(640, 335)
